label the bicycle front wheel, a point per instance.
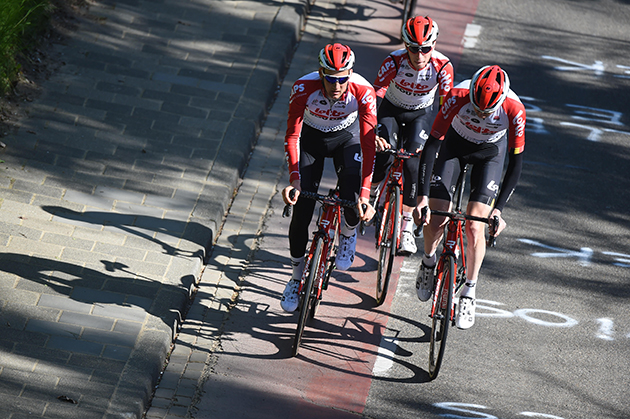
(442, 314)
(387, 247)
(307, 294)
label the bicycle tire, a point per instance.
(442, 316)
(387, 247)
(328, 268)
(307, 295)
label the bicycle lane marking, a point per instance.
(349, 360)
(454, 18)
(334, 370)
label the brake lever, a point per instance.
(288, 207)
(423, 218)
(494, 224)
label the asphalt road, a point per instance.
(552, 338)
(552, 334)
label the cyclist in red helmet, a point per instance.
(407, 84)
(332, 113)
(481, 121)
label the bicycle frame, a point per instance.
(315, 278)
(453, 244)
(394, 178)
(450, 269)
(328, 230)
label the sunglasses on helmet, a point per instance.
(415, 49)
(333, 79)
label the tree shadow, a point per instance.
(145, 227)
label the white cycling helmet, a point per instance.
(420, 31)
(488, 88)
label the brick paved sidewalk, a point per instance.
(114, 188)
(181, 389)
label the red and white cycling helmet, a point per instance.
(488, 88)
(420, 31)
(336, 57)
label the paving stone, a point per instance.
(137, 125)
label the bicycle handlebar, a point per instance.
(492, 222)
(401, 154)
(324, 199)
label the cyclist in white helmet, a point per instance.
(481, 121)
(407, 84)
(332, 114)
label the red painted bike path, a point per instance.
(254, 374)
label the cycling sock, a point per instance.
(407, 222)
(346, 230)
(298, 267)
(429, 260)
(468, 290)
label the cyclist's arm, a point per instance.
(516, 139)
(427, 160)
(512, 175)
(386, 74)
(367, 125)
(445, 81)
(295, 117)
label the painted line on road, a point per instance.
(471, 35)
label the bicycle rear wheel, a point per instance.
(307, 295)
(442, 315)
(387, 247)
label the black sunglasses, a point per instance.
(333, 79)
(415, 50)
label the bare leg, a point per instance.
(476, 240)
(434, 231)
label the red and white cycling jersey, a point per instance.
(309, 105)
(459, 113)
(412, 89)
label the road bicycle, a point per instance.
(320, 261)
(387, 232)
(450, 273)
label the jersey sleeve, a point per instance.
(453, 102)
(445, 81)
(385, 75)
(516, 134)
(297, 106)
(367, 124)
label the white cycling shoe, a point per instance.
(407, 243)
(466, 313)
(290, 298)
(345, 254)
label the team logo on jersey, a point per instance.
(323, 102)
(448, 104)
(298, 88)
(384, 69)
(357, 157)
(519, 122)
